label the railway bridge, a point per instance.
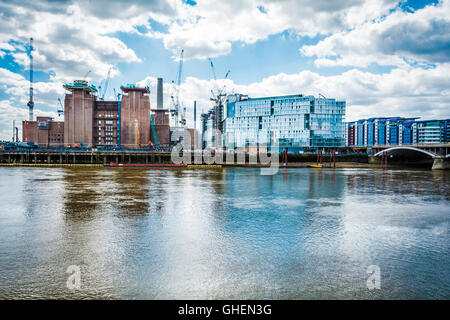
(438, 154)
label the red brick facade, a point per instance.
(44, 132)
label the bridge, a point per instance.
(438, 153)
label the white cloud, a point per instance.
(210, 27)
(10, 112)
(69, 38)
(399, 39)
(74, 37)
(45, 93)
(402, 92)
(5, 47)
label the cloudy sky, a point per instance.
(384, 57)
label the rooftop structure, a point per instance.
(132, 87)
(80, 84)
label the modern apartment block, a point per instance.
(296, 122)
(431, 131)
(396, 131)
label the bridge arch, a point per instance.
(400, 148)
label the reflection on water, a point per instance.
(231, 233)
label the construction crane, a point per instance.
(87, 73)
(219, 98)
(219, 92)
(30, 103)
(175, 111)
(60, 111)
(106, 84)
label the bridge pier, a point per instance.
(374, 160)
(441, 163)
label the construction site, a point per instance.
(128, 123)
(126, 129)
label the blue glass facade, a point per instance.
(393, 134)
(407, 136)
(370, 134)
(360, 133)
(382, 132)
(294, 121)
(447, 130)
(431, 131)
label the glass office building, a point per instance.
(294, 121)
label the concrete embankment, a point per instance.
(99, 159)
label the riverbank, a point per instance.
(338, 165)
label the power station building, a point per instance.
(91, 121)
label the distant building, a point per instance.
(188, 137)
(447, 130)
(44, 131)
(162, 127)
(431, 131)
(208, 131)
(396, 131)
(296, 122)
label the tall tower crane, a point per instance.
(30, 103)
(175, 111)
(219, 98)
(60, 111)
(85, 76)
(219, 91)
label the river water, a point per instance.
(220, 234)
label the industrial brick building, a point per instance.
(91, 121)
(105, 128)
(44, 132)
(79, 106)
(135, 117)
